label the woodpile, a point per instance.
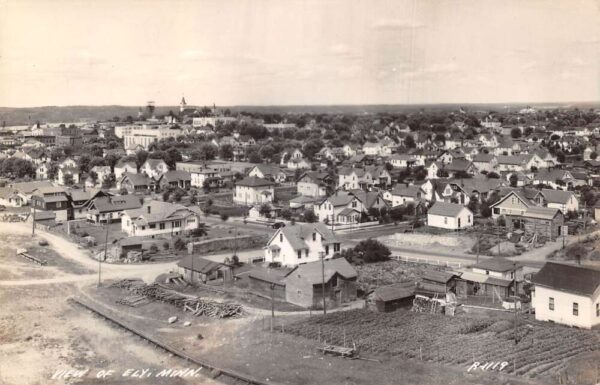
(422, 304)
(134, 300)
(196, 305)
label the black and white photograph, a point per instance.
(299, 192)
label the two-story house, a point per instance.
(301, 243)
(254, 191)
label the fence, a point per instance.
(428, 261)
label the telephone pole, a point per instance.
(105, 251)
(33, 222)
(322, 254)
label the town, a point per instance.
(311, 226)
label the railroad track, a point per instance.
(226, 376)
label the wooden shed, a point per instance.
(196, 269)
(393, 297)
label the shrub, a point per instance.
(179, 244)
(166, 245)
(154, 249)
(368, 251)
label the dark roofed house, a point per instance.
(111, 208)
(194, 268)
(304, 285)
(135, 183)
(567, 294)
(175, 178)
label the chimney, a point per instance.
(149, 209)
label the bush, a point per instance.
(166, 245)
(224, 217)
(179, 244)
(368, 251)
(154, 249)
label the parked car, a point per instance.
(277, 225)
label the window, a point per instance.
(469, 219)
(353, 204)
(152, 226)
(496, 210)
(299, 254)
(314, 237)
(598, 310)
(551, 303)
(306, 253)
(161, 226)
(575, 308)
(143, 227)
(327, 250)
(58, 205)
(445, 220)
(336, 247)
(280, 237)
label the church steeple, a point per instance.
(182, 105)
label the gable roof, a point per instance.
(570, 278)
(29, 187)
(556, 196)
(160, 211)
(312, 272)
(198, 264)
(136, 179)
(176, 175)
(296, 234)
(541, 212)
(496, 264)
(406, 191)
(253, 181)
(117, 203)
(446, 209)
(394, 292)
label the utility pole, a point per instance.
(99, 261)
(272, 302)
(322, 254)
(515, 310)
(33, 221)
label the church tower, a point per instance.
(182, 105)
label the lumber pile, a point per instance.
(134, 300)
(196, 305)
(422, 304)
(214, 309)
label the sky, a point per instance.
(287, 52)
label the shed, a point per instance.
(267, 281)
(194, 268)
(393, 297)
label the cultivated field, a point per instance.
(541, 350)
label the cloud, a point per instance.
(395, 24)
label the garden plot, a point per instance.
(542, 349)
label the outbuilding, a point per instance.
(393, 297)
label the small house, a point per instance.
(196, 269)
(451, 216)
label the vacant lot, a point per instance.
(542, 350)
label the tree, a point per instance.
(593, 155)
(286, 214)
(68, 179)
(84, 161)
(109, 181)
(254, 157)
(265, 210)
(397, 213)
(493, 175)
(409, 142)
(515, 133)
(514, 179)
(309, 216)
(226, 152)
(369, 251)
(93, 176)
(140, 158)
(224, 217)
(172, 156)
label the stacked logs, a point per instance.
(194, 304)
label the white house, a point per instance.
(565, 201)
(11, 197)
(567, 294)
(254, 191)
(450, 216)
(341, 207)
(41, 172)
(403, 194)
(123, 167)
(499, 268)
(154, 168)
(158, 218)
(301, 243)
